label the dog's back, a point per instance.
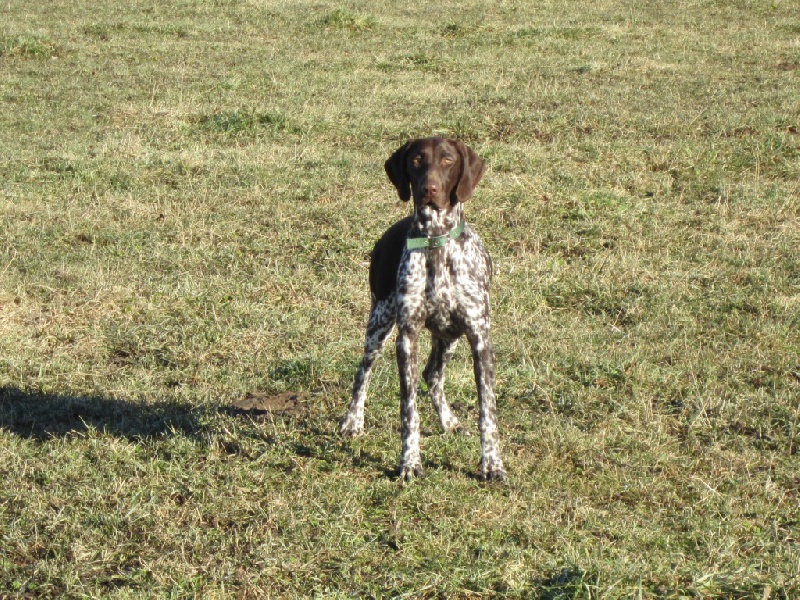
(385, 259)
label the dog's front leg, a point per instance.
(483, 363)
(410, 460)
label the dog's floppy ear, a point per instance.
(396, 170)
(471, 171)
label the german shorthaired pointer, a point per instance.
(431, 270)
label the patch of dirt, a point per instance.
(259, 404)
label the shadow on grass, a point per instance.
(40, 416)
(569, 583)
(366, 460)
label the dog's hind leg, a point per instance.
(441, 352)
(380, 325)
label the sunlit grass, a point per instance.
(189, 195)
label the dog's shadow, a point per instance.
(43, 416)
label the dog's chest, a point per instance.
(438, 290)
(441, 303)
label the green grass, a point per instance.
(188, 194)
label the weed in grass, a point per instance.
(26, 46)
(345, 19)
(240, 122)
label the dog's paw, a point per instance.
(493, 471)
(498, 475)
(450, 424)
(351, 427)
(411, 471)
(462, 431)
(456, 428)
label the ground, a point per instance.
(188, 195)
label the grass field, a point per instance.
(188, 194)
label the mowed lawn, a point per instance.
(189, 191)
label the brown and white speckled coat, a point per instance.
(441, 285)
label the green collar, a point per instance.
(438, 241)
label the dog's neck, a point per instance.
(431, 223)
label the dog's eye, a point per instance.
(417, 161)
(447, 160)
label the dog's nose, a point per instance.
(430, 188)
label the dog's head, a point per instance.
(437, 172)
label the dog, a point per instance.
(431, 270)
